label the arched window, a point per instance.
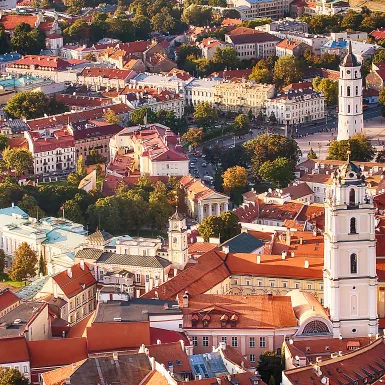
(316, 327)
(356, 90)
(352, 197)
(353, 264)
(353, 223)
(348, 91)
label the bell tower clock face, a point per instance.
(175, 226)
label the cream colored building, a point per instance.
(242, 96)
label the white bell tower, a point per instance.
(177, 240)
(350, 117)
(350, 278)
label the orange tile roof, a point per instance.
(355, 365)
(104, 337)
(59, 376)
(236, 357)
(7, 298)
(241, 378)
(18, 143)
(63, 351)
(195, 189)
(298, 86)
(10, 22)
(109, 73)
(13, 350)
(275, 266)
(80, 280)
(155, 378)
(288, 44)
(205, 274)
(253, 312)
(79, 329)
(165, 353)
(201, 247)
(229, 21)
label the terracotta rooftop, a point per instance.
(246, 378)
(10, 22)
(250, 312)
(288, 44)
(13, 350)
(109, 73)
(74, 285)
(44, 63)
(7, 298)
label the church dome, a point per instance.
(350, 171)
(350, 60)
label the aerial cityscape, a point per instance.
(192, 192)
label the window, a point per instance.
(272, 284)
(234, 342)
(252, 358)
(259, 283)
(356, 87)
(25, 369)
(195, 341)
(248, 282)
(352, 197)
(235, 282)
(137, 277)
(353, 263)
(252, 342)
(224, 339)
(353, 226)
(205, 341)
(297, 285)
(309, 286)
(348, 91)
(284, 284)
(262, 342)
(147, 278)
(348, 108)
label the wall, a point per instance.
(40, 327)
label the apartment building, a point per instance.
(253, 9)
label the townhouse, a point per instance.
(209, 46)
(250, 43)
(291, 48)
(14, 354)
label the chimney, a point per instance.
(158, 342)
(292, 254)
(68, 380)
(226, 249)
(284, 254)
(258, 259)
(306, 264)
(301, 241)
(69, 272)
(146, 351)
(185, 299)
(182, 345)
(270, 297)
(340, 337)
(115, 356)
(315, 232)
(82, 264)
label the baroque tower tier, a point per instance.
(350, 117)
(177, 240)
(350, 278)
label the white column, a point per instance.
(210, 210)
(226, 206)
(218, 209)
(200, 212)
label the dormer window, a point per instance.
(194, 320)
(224, 320)
(206, 320)
(234, 319)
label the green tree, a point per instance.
(80, 167)
(210, 227)
(193, 137)
(4, 42)
(226, 58)
(76, 31)
(329, 88)
(10, 376)
(235, 178)
(142, 25)
(241, 124)
(18, 159)
(2, 260)
(73, 179)
(75, 7)
(352, 20)
(98, 27)
(121, 27)
(95, 158)
(163, 21)
(3, 142)
(24, 263)
(359, 146)
(279, 172)
(205, 115)
(198, 16)
(287, 70)
(90, 57)
(187, 50)
(72, 211)
(42, 266)
(139, 115)
(231, 13)
(31, 207)
(260, 73)
(271, 380)
(270, 365)
(380, 157)
(26, 40)
(272, 118)
(226, 226)
(311, 154)
(159, 210)
(111, 117)
(270, 147)
(379, 56)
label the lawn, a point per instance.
(4, 279)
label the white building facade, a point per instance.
(350, 116)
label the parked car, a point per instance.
(204, 164)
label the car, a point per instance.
(232, 146)
(203, 156)
(192, 163)
(204, 164)
(194, 160)
(198, 154)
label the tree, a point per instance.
(260, 73)
(329, 88)
(98, 27)
(24, 263)
(95, 158)
(359, 146)
(163, 21)
(352, 20)
(4, 42)
(159, 210)
(80, 167)
(142, 25)
(3, 142)
(18, 159)
(193, 137)
(111, 117)
(73, 179)
(2, 260)
(139, 116)
(226, 58)
(76, 31)
(311, 154)
(379, 56)
(226, 226)
(270, 147)
(42, 266)
(198, 16)
(121, 27)
(10, 376)
(205, 115)
(279, 172)
(231, 13)
(75, 7)
(287, 70)
(271, 380)
(230, 157)
(235, 178)
(26, 40)
(90, 57)
(31, 207)
(210, 227)
(270, 365)
(72, 211)
(272, 118)
(32, 104)
(380, 157)
(241, 124)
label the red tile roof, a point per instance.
(229, 21)
(80, 280)
(60, 139)
(244, 35)
(79, 329)
(82, 101)
(109, 73)
(104, 337)
(201, 247)
(232, 74)
(298, 86)
(10, 22)
(288, 44)
(167, 336)
(57, 352)
(240, 379)
(43, 63)
(13, 350)
(7, 298)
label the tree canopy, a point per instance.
(18, 159)
(205, 115)
(193, 137)
(226, 226)
(279, 172)
(329, 88)
(287, 70)
(241, 124)
(25, 262)
(26, 40)
(359, 146)
(11, 376)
